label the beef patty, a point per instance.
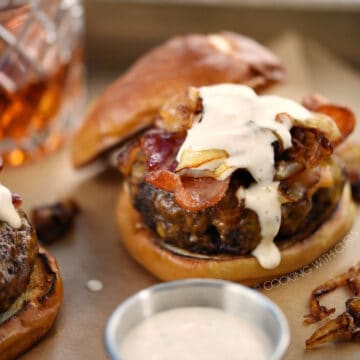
(18, 249)
(228, 227)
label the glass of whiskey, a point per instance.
(41, 76)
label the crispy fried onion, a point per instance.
(319, 312)
(309, 146)
(190, 193)
(342, 116)
(345, 327)
(181, 111)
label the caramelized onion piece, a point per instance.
(194, 159)
(286, 169)
(309, 146)
(295, 188)
(181, 111)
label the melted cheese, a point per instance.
(237, 120)
(8, 212)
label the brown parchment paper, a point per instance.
(93, 249)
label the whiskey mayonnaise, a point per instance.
(195, 333)
(237, 120)
(8, 212)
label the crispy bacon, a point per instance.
(160, 148)
(191, 193)
(343, 117)
(16, 199)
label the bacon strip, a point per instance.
(160, 148)
(190, 193)
(343, 117)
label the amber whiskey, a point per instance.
(41, 76)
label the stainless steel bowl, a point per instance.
(233, 298)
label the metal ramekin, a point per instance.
(233, 298)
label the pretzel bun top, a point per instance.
(132, 102)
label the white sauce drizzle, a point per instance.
(195, 333)
(237, 120)
(263, 199)
(8, 212)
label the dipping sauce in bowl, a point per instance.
(197, 319)
(195, 333)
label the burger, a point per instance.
(30, 283)
(233, 185)
(219, 181)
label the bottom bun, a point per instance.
(166, 265)
(34, 312)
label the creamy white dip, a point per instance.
(195, 333)
(243, 125)
(8, 212)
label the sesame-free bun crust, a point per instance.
(34, 312)
(131, 103)
(166, 265)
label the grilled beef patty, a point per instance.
(18, 249)
(228, 227)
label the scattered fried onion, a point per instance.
(346, 326)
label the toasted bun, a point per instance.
(166, 265)
(34, 312)
(129, 104)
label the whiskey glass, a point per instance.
(41, 76)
